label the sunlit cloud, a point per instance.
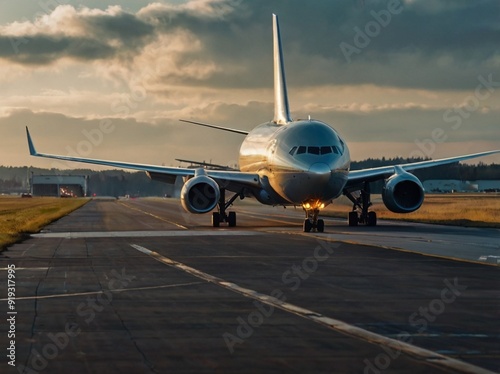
(211, 60)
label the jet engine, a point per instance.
(200, 194)
(403, 192)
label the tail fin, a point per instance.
(281, 108)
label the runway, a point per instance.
(140, 286)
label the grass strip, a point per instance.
(21, 217)
(467, 210)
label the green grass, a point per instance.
(20, 217)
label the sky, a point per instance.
(103, 79)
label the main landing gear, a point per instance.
(221, 215)
(312, 222)
(360, 213)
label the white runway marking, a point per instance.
(142, 234)
(38, 297)
(433, 358)
(35, 268)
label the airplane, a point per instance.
(286, 162)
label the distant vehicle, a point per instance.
(288, 162)
(26, 195)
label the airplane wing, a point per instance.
(373, 174)
(231, 180)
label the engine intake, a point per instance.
(200, 194)
(403, 192)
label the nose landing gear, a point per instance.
(312, 222)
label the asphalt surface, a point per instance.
(139, 286)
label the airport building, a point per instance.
(454, 185)
(59, 185)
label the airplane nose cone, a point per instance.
(320, 168)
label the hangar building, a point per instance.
(59, 185)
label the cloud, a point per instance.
(226, 42)
(85, 34)
(127, 139)
(211, 60)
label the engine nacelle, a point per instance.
(403, 192)
(200, 194)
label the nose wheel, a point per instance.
(312, 223)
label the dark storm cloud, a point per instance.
(97, 36)
(436, 44)
(124, 27)
(44, 49)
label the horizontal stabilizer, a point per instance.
(215, 127)
(206, 164)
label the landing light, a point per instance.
(313, 205)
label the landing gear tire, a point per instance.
(320, 226)
(221, 216)
(215, 219)
(372, 219)
(361, 204)
(353, 218)
(231, 219)
(307, 225)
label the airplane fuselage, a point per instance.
(304, 162)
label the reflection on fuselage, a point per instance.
(303, 161)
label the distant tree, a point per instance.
(119, 182)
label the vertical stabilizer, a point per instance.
(281, 108)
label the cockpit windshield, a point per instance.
(314, 150)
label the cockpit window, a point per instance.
(301, 150)
(343, 145)
(313, 150)
(326, 150)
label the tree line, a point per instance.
(121, 183)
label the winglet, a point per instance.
(30, 143)
(281, 108)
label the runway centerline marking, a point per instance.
(427, 356)
(143, 234)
